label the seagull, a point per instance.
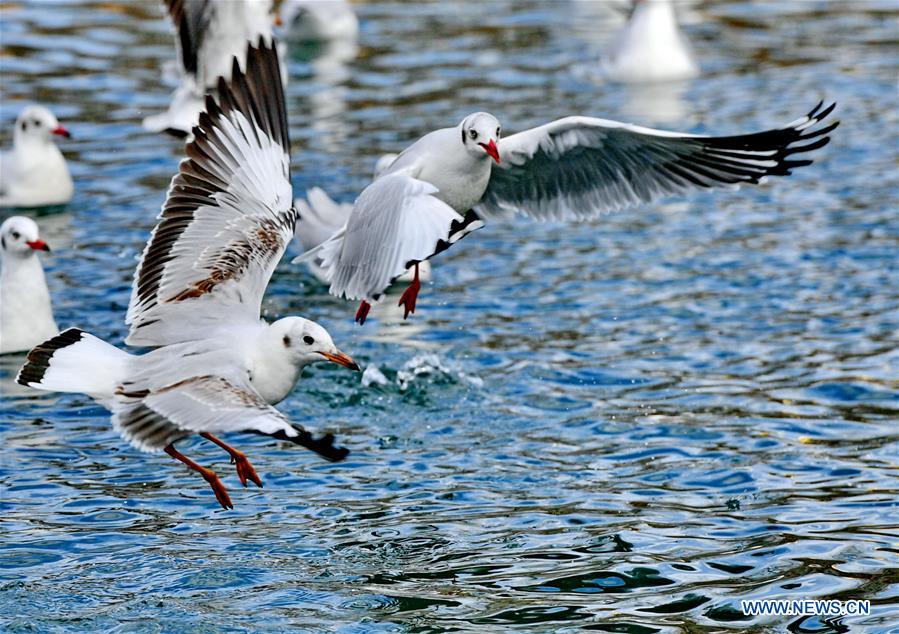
(209, 33)
(216, 365)
(446, 184)
(26, 317)
(650, 47)
(34, 173)
(319, 20)
(321, 217)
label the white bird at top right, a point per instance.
(450, 181)
(650, 47)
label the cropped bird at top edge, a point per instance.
(26, 314)
(208, 35)
(34, 172)
(446, 184)
(197, 295)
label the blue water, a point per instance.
(626, 425)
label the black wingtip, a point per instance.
(827, 111)
(256, 90)
(38, 359)
(811, 114)
(323, 446)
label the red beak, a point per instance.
(490, 148)
(61, 131)
(38, 245)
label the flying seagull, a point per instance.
(208, 34)
(26, 316)
(197, 294)
(450, 181)
(34, 172)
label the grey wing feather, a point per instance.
(579, 167)
(154, 419)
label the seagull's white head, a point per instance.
(480, 134)
(307, 342)
(37, 124)
(19, 238)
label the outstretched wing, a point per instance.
(228, 216)
(579, 167)
(151, 420)
(395, 222)
(190, 18)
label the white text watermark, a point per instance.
(805, 607)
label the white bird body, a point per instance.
(26, 314)
(651, 47)
(197, 294)
(255, 357)
(209, 33)
(447, 183)
(34, 172)
(460, 177)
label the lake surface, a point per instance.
(628, 425)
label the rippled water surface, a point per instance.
(627, 425)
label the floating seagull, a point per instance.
(26, 317)
(444, 185)
(650, 47)
(209, 34)
(321, 217)
(197, 295)
(34, 172)
(318, 20)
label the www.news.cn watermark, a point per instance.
(805, 607)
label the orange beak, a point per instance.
(61, 131)
(490, 148)
(38, 245)
(341, 359)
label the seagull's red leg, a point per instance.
(410, 295)
(221, 494)
(245, 470)
(362, 313)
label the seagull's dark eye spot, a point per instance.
(473, 134)
(497, 133)
(286, 341)
(15, 235)
(309, 340)
(24, 125)
(37, 123)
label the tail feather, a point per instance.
(74, 361)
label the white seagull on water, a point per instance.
(209, 34)
(26, 316)
(444, 185)
(650, 47)
(318, 20)
(34, 173)
(197, 294)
